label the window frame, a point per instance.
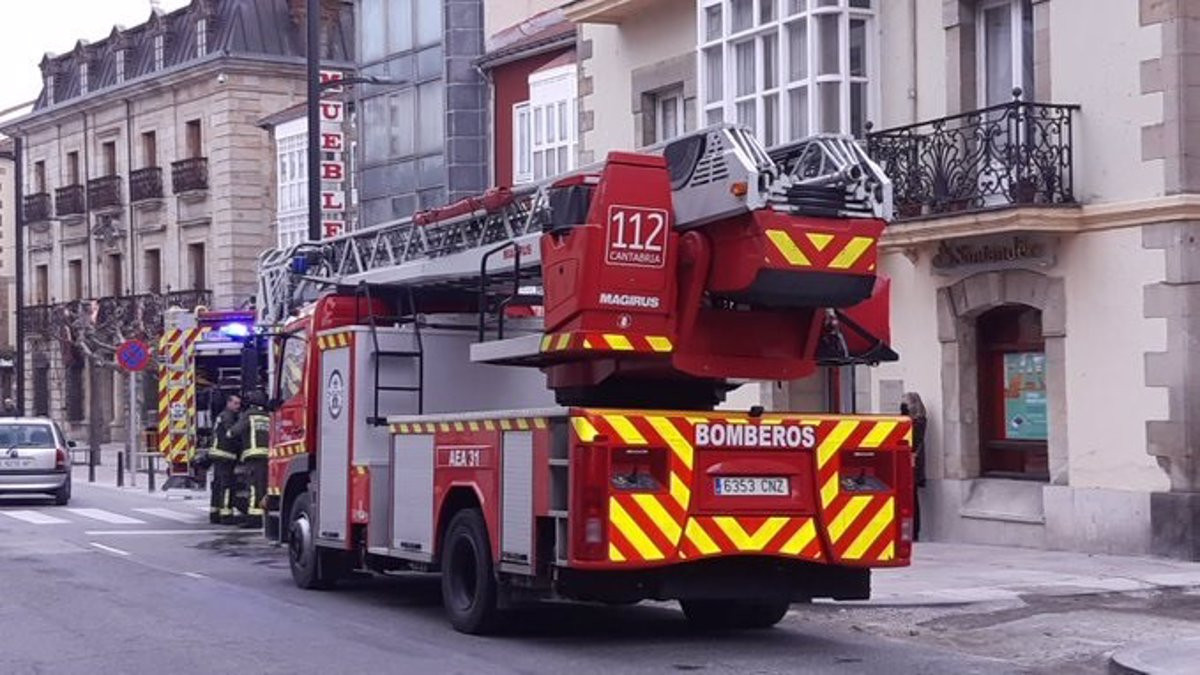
(1020, 69)
(723, 42)
(160, 51)
(201, 37)
(661, 98)
(554, 128)
(84, 80)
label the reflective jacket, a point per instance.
(225, 448)
(254, 431)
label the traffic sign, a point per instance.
(133, 355)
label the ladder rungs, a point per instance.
(398, 354)
(383, 388)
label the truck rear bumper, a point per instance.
(740, 577)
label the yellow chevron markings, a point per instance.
(871, 533)
(833, 442)
(889, 552)
(750, 542)
(625, 429)
(846, 518)
(700, 539)
(659, 343)
(614, 554)
(819, 240)
(666, 524)
(853, 251)
(788, 248)
(626, 525)
(584, 429)
(878, 434)
(679, 445)
(829, 490)
(546, 342)
(680, 491)
(564, 341)
(618, 342)
(801, 539)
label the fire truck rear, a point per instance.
(520, 391)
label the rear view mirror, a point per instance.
(71, 444)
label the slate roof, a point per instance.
(240, 28)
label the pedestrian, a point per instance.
(224, 454)
(253, 430)
(9, 409)
(912, 406)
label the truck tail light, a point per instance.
(60, 459)
(590, 536)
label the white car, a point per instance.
(34, 458)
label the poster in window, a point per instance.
(1025, 396)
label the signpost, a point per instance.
(133, 356)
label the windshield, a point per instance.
(26, 436)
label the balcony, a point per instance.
(38, 207)
(104, 193)
(189, 175)
(68, 201)
(145, 184)
(1011, 155)
(105, 320)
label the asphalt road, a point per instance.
(124, 582)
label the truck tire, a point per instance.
(312, 568)
(734, 614)
(469, 586)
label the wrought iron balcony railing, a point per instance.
(189, 174)
(104, 192)
(145, 184)
(38, 207)
(1014, 154)
(68, 201)
(106, 319)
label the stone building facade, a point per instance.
(144, 175)
(1046, 169)
(8, 233)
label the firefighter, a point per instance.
(253, 429)
(912, 405)
(224, 455)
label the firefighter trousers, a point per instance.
(221, 502)
(255, 475)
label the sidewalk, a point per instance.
(106, 470)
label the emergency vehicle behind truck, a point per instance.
(519, 390)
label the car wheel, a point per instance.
(62, 496)
(469, 586)
(312, 568)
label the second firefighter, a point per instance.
(252, 432)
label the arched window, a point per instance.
(1013, 414)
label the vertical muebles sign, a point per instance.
(333, 155)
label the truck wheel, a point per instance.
(312, 568)
(734, 614)
(468, 580)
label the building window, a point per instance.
(197, 267)
(152, 270)
(75, 280)
(1014, 418)
(787, 71)
(668, 115)
(83, 78)
(404, 123)
(116, 283)
(292, 217)
(49, 90)
(201, 37)
(193, 139)
(39, 177)
(41, 285)
(1004, 38)
(394, 26)
(73, 168)
(120, 66)
(149, 149)
(108, 153)
(159, 51)
(545, 135)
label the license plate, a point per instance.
(751, 486)
(18, 463)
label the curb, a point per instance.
(1166, 657)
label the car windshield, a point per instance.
(26, 436)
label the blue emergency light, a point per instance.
(235, 330)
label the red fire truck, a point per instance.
(520, 390)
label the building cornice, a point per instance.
(1065, 220)
(604, 11)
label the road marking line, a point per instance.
(107, 516)
(171, 515)
(109, 549)
(140, 533)
(35, 517)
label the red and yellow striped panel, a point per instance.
(290, 449)
(795, 537)
(860, 527)
(611, 342)
(333, 341)
(837, 252)
(506, 424)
